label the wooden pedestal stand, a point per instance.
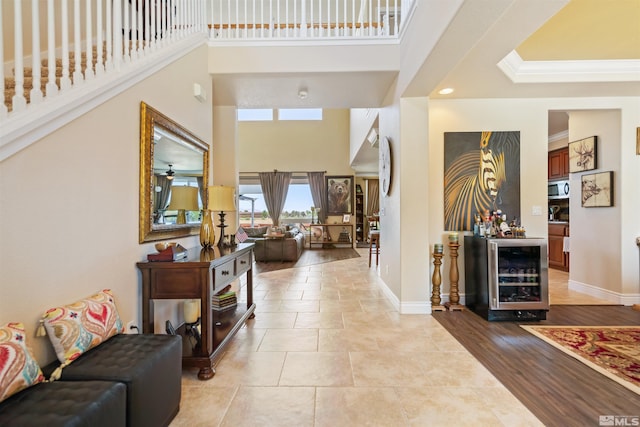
(436, 279)
(454, 297)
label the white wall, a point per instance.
(225, 159)
(361, 122)
(69, 203)
(296, 145)
(595, 236)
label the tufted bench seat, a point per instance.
(60, 403)
(148, 365)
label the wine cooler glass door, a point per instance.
(518, 274)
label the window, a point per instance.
(255, 114)
(285, 114)
(300, 114)
(297, 207)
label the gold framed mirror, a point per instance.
(170, 157)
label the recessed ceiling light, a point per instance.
(446, 91)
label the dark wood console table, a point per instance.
(201, 275)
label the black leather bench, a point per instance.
(63, 403)
(150, 366)
(128, 380)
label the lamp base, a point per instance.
(222, 225)
(182, 217)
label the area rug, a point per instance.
(613, 351)
(309, 257)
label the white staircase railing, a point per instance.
(306, 19)
(96, 37)
(47, 52)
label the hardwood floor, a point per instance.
(558, 389)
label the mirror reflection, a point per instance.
(173, 173)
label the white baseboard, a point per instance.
(604, 294)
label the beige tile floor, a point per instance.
(326, 348)
(560, 294)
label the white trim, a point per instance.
(28, 126)
(588, 71)
(558, 136)
(604, 294)
(415, 307)
(393, 299)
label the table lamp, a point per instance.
(183, 198)
(222, 199)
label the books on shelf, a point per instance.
(224, 300)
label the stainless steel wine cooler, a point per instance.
(506, 279)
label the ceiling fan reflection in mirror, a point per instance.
(170, 173)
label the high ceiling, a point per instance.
(489, 49)
(587, 30)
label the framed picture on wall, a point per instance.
(339, 195)
(583, 154)
(597, 190)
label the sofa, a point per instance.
(103, 377)
(288, 248)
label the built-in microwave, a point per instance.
(558, 189)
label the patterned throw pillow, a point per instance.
(18, 368)
(76, 328)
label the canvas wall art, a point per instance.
(597, 189)
(583, 154)
(481, 171)
(339, 195)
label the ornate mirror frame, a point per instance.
(150, 120)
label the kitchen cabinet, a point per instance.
(558, 259)
(558, 167)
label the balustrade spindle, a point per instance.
(51, 87)
(117, 35)
(77, 45)
(126, 33)
(133, 35)
(19, 101)
(3, 108)
(271, 33)
(109, 41)
(88, 71)
(35, 94)
(65, 80)
(99, 67)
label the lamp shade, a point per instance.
(184, 198)
(222, 198)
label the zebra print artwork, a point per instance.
(481, 172)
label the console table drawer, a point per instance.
(224, 274)
(243, 263)
(175, 284)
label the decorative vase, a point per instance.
(207, 233)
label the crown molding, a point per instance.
(588, 71)
(558, 136)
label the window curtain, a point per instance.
(161, 198)
(373, 196)
(318, 186)
(275, 186)
(201, 191)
